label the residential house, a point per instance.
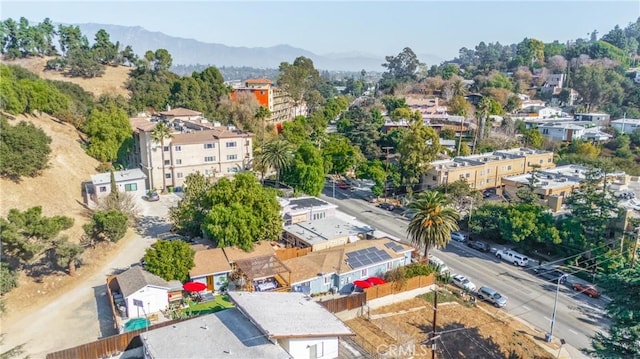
(537, 112)
(225, 334)
(595, 118)
(234, 254)
(212, 268)
(302, 209)
(553, 84)
(485, 170)
(130, 181)
(336, 268)
(626, 125)
(595, 134)
(215, 152)
(561, 131)
(301, 326)
(143, 293)
(325, 233)
(180, 114)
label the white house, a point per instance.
(129, 181)
(297, 323)
(626, 125)
(144, 293)
(561, 131)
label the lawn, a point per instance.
(220, 302)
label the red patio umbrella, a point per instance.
(376, 280)
(361, 284)
(194, 286)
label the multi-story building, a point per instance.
(626, 125)
(277, 100)
(486, 170)
(216, 152)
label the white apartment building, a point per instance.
(216, 152)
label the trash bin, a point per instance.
(170, 189)
(547, 337)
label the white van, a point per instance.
(513, 257)
(437, 262)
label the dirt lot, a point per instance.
(483, 336)
(112, 82)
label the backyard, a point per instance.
(219, 302)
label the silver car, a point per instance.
(463, 282)
(491, 296)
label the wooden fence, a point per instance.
(353, 301)
(293, 252)
(383, 290)
(106, 347)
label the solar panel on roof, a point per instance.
(385, 256)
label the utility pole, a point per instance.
(386, 171)
(433, 333)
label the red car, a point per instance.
(587, 289)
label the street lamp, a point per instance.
(555, 304)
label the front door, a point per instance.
(210, 283)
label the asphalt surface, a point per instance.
(530, 298)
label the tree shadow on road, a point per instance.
(105, 314)
(152, 226)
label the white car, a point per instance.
(457, 236)
(463, 282)
(513, 257)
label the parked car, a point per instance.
(552, 275)
(486, 193)
(438, 263)
(457, 236)
(387, 206)
(463, 282)
(479, 245)
(152, 197)
(513, 257)
(587, 289)
(491, 296)
(343, 185)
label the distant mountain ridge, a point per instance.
(190, 52)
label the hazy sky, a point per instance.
(375, 27)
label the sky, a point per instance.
(378, 28)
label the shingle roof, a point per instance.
(263, 248)
(141, 124)
(208, 262)
(136, 278)
(181, 111)
(258, 81)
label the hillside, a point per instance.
(58, 189)
(112, 82)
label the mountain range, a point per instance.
(192, 52)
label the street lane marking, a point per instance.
(573, 331)
(547, 318)
(526, 308)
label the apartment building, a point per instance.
(216, 152)
(486, 170)
(277, 100)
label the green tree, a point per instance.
(298, 79)
(448, 134)
(459, 106)
(433, 221)
(361, 127)
(191, 211)
(262, 114)
(107, 128)
(160, 133)
(170, 260)
(67, 255)
(103, 49)
(106, 226)
(340, 156)
(623, 337)
(533, 138)
(24, 150)
(375, 171)
(392, 103)
(8, 278)
(400, 68)
(278, 154)
(243, 212)
(307, 171)
(418, 147)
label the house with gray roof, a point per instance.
(129, 181)
(143, 293)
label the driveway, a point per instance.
(83, 314)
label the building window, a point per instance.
(103, 188)
(549, 160)
(462, 176)
(166, 149)
(231, 144)
(232, 170)
(178, 161)
(177, 148)
(468, 175)
(434, 178)
(481, 172)
(388, 265)
(327, 279)
(167, 162)
(488, 170)
(509, 168)
(363, 273)
(210, 159)
(232, 157)
(262, 92)
(208, 172)
(208, 146)
(131, 187)
(541, 161)
(167, 175)
(179, 175)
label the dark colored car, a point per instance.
(479, 245)
(343, 185)
(152, 197)
(387, 206)
(552, 275)
(587, 289)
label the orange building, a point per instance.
(275, 99)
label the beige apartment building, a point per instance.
(216, 152)
(486, 170)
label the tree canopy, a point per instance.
(169, 260)
(24, 150)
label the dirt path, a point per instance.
(82, 314)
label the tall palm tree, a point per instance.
(159, 134)
(277, 154)
(433, 221)
(262, 113)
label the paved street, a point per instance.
(529, 298)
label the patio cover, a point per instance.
(263, 267)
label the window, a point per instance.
(481, 172)
(131, 187)
(103, 188)
(177, 148)
(167, 162)
(232, 170)
(232, 157)
(166, 149)
(509, 168)
(468, 175)
(462, 176)
(541, 161)
(434, 178)
(208, 172)
(545, 131)
(178, 161)
(549, 160)
(208, 146)
(388, 265)
(363, 273)
(327, 279)
(231, 144)
(262, 92)
(210, 159)
(488, 170)
(167, 175)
